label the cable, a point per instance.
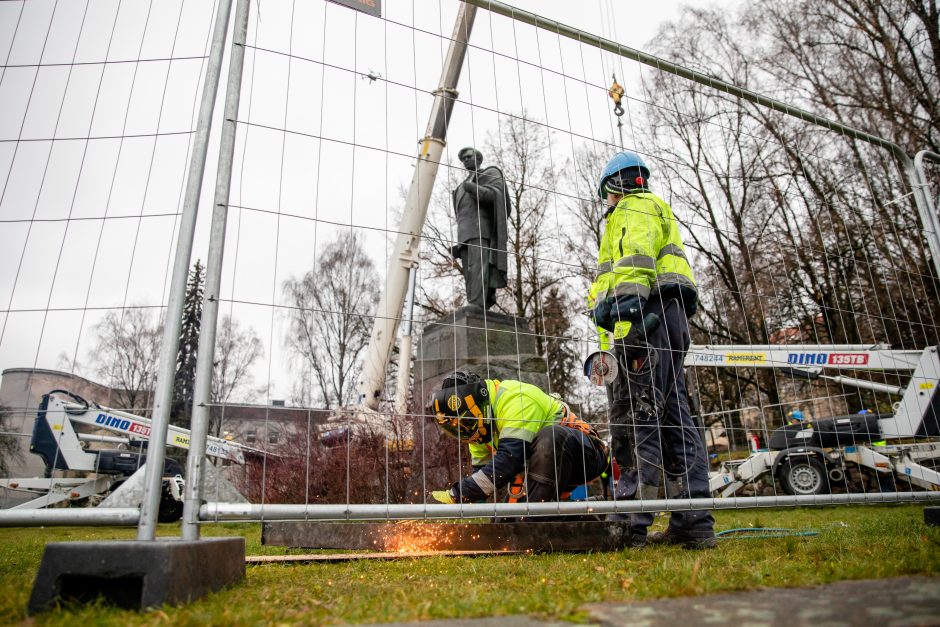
(747, 533)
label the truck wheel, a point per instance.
(170, 509)
(803, 475)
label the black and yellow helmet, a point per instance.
(460, 407)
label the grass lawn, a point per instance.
(854, 543)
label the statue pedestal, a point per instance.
(495, 346)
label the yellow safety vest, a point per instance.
(641, 252)
(520, 411)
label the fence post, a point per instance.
(210, 308)
(924, 186)
(163, 395)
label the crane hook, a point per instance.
(616, 93)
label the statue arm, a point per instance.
(486, 194)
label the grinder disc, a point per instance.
(601, 368)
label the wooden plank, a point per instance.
(347, 557)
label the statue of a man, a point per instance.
(482, 205)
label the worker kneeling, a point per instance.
(514, 428)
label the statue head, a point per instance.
(471, 158)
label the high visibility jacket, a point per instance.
(641, 253)
(520, 411)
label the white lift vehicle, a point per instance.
(67, 435)
(841, 452)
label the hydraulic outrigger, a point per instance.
(897, 449)
(67, 435)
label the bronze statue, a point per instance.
(482, 205)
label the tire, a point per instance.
(803, 475)
(170, 510)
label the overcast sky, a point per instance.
(89, 224)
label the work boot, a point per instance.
(636, 540)
(700, 540)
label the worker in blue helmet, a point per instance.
(642, 269)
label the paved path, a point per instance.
(873, 602)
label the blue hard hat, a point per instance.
(620, 161)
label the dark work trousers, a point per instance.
(562, 458)
(650, 451)
(475, 257)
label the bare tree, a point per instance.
(438, 296)
(330, 317)
(126, 356)
(874, 64)
(586, 207)
(236, 351)
(522, 150)
(798, 233)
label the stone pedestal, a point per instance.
(493, 345)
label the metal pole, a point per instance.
(929, 222)
(922, 177)
(922, 188)
(405, 254)
(240, 511)
(199, 427)
(928, 217)
(404, 361)
(97, 516)
(163, 395)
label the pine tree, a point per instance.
(185, 381)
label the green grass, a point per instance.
(854, 543)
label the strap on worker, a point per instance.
(570, 419)
(516, 493)
(517, 489)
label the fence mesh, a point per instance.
(816, 294)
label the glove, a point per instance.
(601, 314)
(443, 496)
(633, 335)
(455, 250)
(627, 332)
(629, 308)
(689, 299)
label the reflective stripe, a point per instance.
(637, 261)
(673, 278)
(627, 289)
(478, 460)
(483, 482)
(520, 434)
(634, 261)
(671, 249)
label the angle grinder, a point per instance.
(601, 367)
